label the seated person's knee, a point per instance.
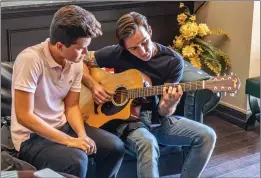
(149, 144)
(78, 164)
(116, 146)
(207, 135)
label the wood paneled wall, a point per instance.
(28, 25)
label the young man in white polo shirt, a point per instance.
(47, 128)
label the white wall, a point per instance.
(255, 45)
(236, 18)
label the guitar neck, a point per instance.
(158, 90)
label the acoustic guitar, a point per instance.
(129, 85)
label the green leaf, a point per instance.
(213, 65)
(208, 57)
(224, 57)
(211, 53)
(202, 42)
(186, 11)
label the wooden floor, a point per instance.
(237, 152)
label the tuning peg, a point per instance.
(231, 73)
(225, 74)
(232, 94)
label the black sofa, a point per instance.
(193, 105)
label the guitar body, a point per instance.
(129, 85)
(120, 107)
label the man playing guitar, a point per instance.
(136, 50)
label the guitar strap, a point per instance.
(155, 121)
(131, 126)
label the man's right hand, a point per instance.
(101, 94)
(84, 143)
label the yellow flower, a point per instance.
(219, 32)
(178, 43)
(189, 30)
(199, 50)
(195, 61)
(214, 67)
(182, 18)
(188, 51)
(203, 29)
(193, 18)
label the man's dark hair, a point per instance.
(128, 24)
(72, 22)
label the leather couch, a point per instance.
(193, 105)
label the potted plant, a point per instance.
(191, 44)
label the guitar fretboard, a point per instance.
(158, 90)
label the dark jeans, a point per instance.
(43, 153)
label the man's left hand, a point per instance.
(172, 95)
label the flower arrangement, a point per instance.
(191, 45)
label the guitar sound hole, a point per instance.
(121, 96)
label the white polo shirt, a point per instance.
(36, 71)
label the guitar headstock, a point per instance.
(229, 83)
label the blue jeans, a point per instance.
(43, 153)
(177, 131)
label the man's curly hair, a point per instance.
(72, 22)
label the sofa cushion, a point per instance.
(10, 163)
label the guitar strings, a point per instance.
(160, 88)
(135, 95)
(137, 91)
(200, 85)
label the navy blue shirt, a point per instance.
(165, 67)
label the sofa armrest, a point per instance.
(195, 104)
(6, 82)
